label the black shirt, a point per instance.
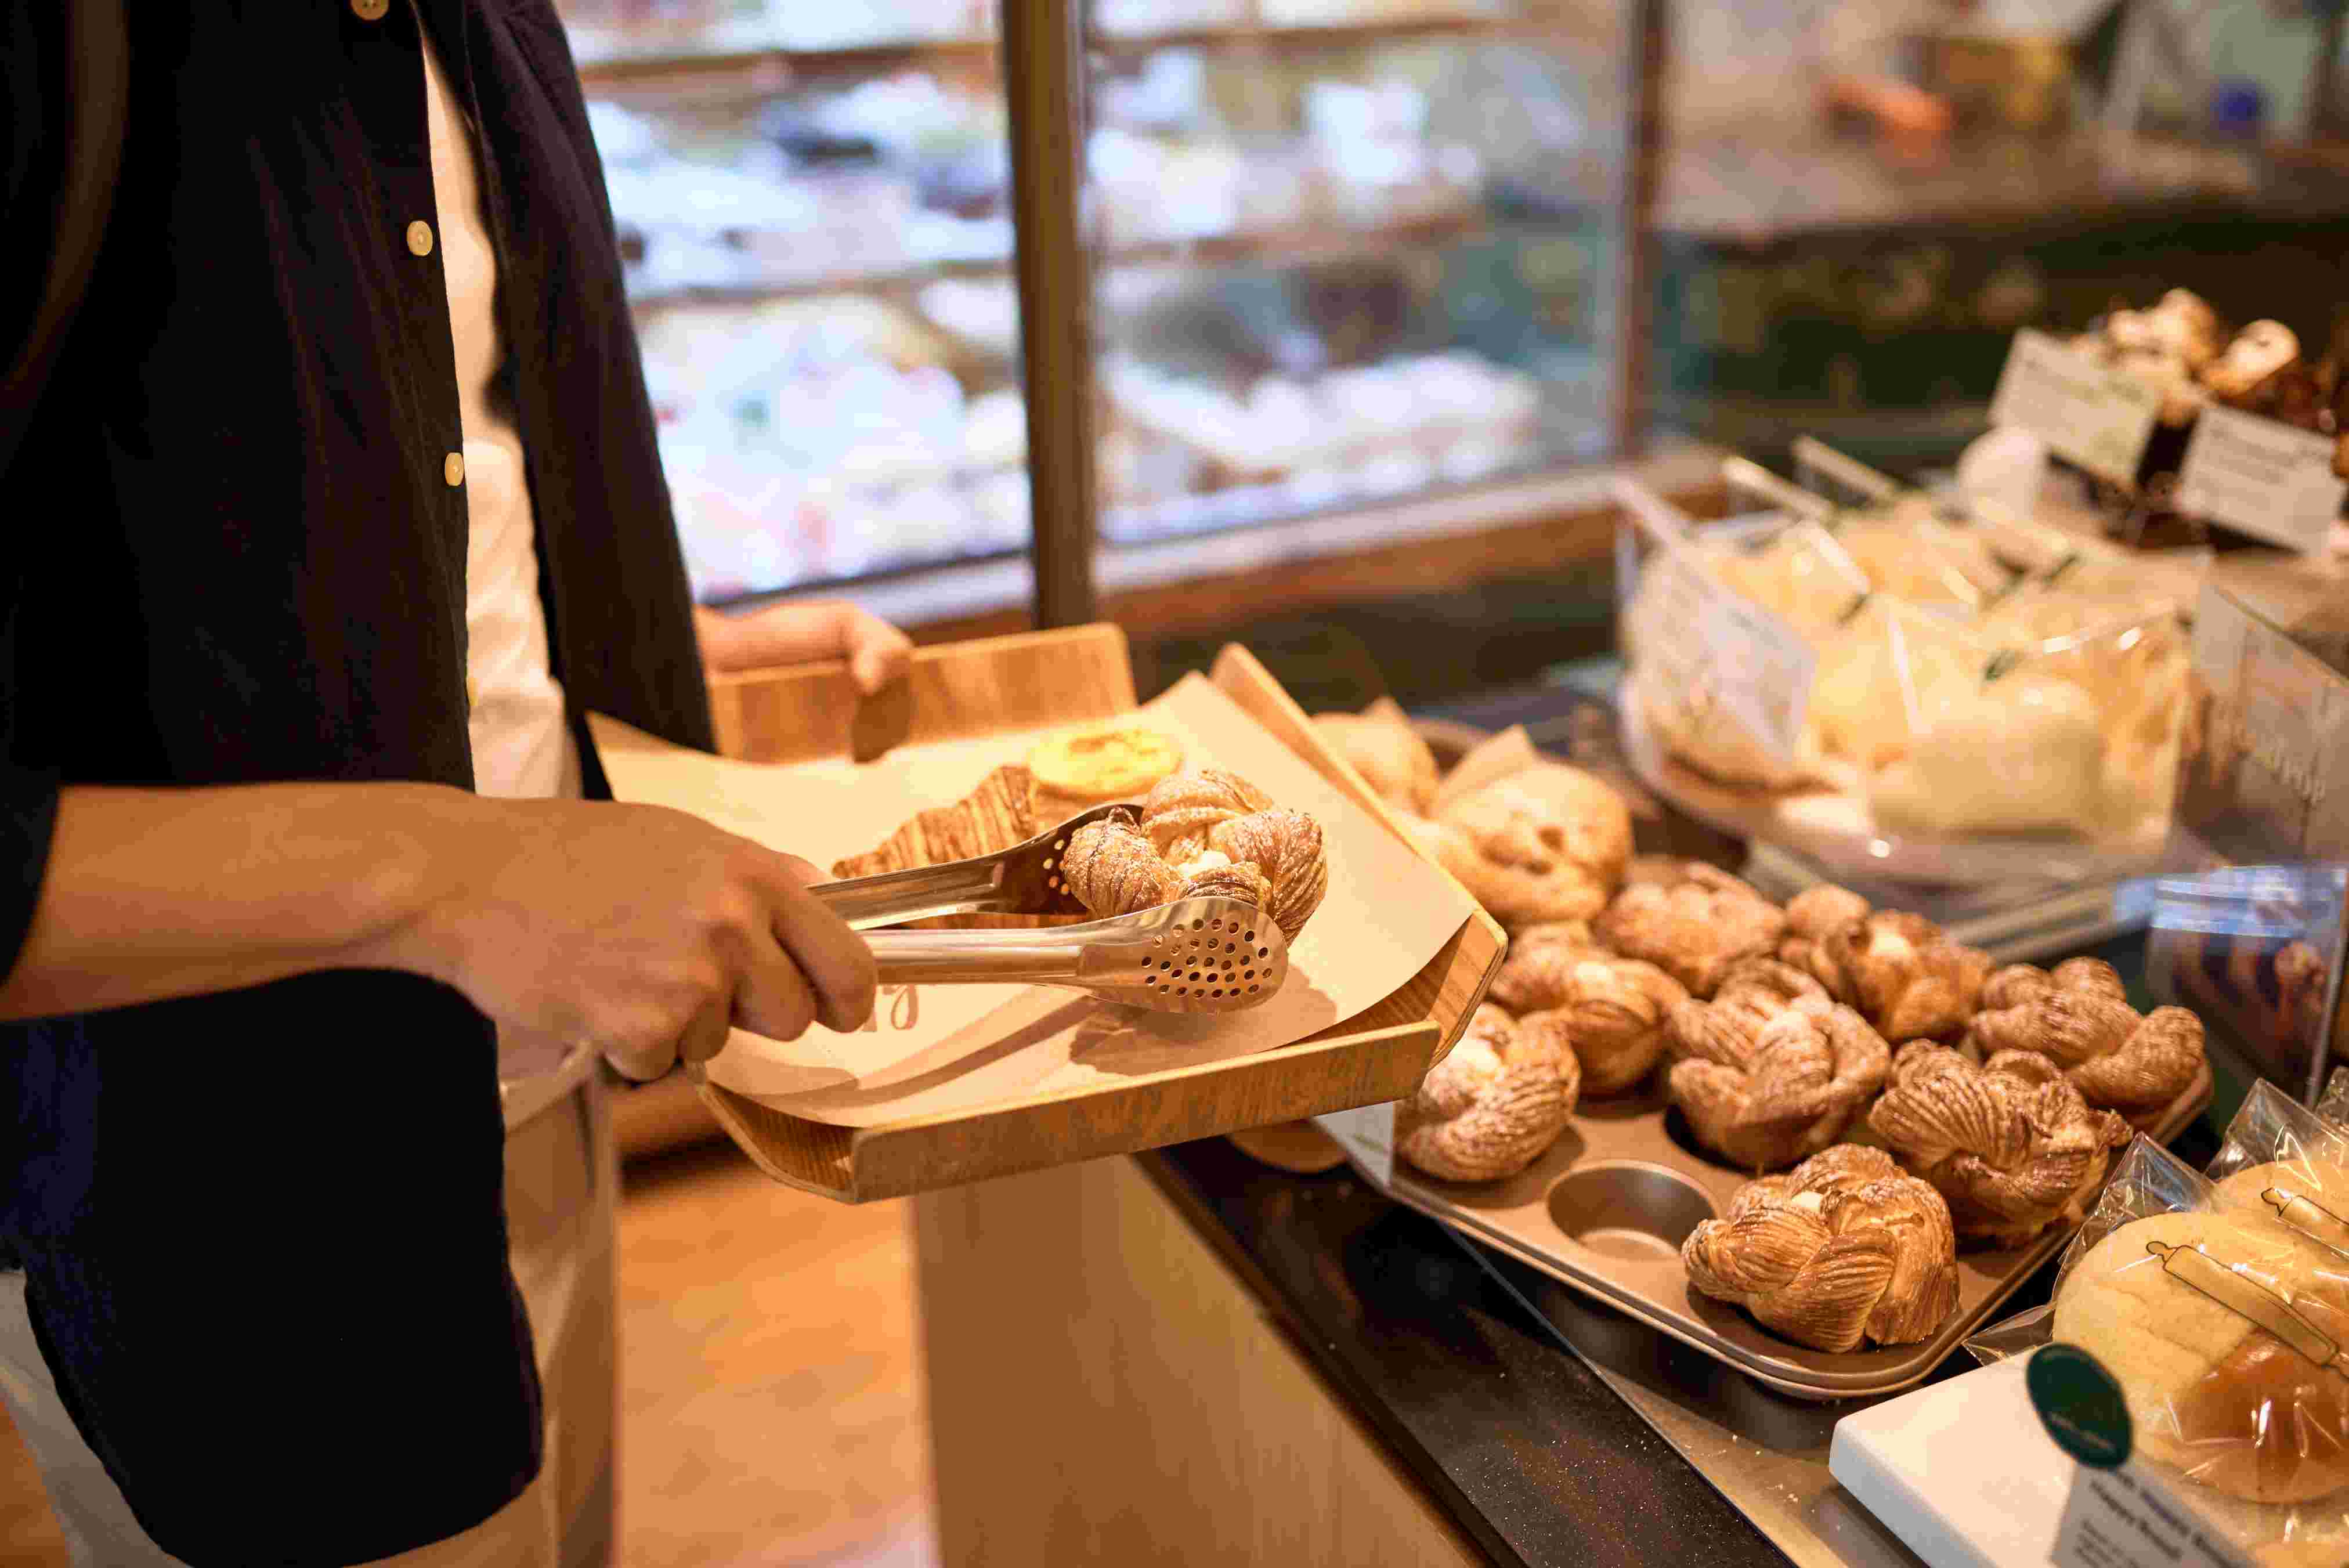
(262, 1230)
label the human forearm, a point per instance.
(154, 894)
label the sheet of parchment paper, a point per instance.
(936, 1048)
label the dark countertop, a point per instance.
(1537, 1417)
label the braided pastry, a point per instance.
(1693, 927)
(1843, 1249)
(1493, 1106)
(1180, 811)
(2079, 1018)
(1613, 1009)
(1113, 870)
(1214, 876)
(1286, 845)
(1789, 1089)
(1898, 969)
(2010, 1144)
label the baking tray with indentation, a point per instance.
(1607, 1208)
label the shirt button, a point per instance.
(419, 238)
(369, 10)
(452, 468)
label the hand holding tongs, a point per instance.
(1195, 955)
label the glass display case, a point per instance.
(1332, 263)
(1344, 253)
(815, 215)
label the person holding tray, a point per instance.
(333, 509)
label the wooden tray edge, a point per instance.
(862, 1165)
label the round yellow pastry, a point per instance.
(1104, 762)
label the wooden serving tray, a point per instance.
(1023, 682)
(1606, 1210)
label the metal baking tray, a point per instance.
(1607, 1208)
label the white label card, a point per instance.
(2127, 1519)
(1367, 1134)
(2268, 480)
(2098, 417)
(1736, 654)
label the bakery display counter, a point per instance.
(1267, 1366)
(1234, 1362)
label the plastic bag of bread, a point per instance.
(1699, 605)
(2076, 732)
(2225, 1329)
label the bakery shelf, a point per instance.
(604, 61)
(1294, 246)
(1320, 34)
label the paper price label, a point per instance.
(1367, 1134)
(2127, 1519)
(1762, 669)
(2268, 480)
(1724, 651)
(2097, 416)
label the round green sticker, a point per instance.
(2080, 1405)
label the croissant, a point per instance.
(1286, 845)
(1845, 1248)
(1494, 1104)
(2079, 1018)
(1898, 969)
(1788, 1090)
(1113, 870)
(1613, 1009)
(1694, 928)
(2010, 1144)
(1181, 809)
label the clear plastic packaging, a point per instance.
(1720, 628)
(2013, 747)
(1881, 675)
(2222, 1307)
(2333, 1105)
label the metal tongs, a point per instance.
(1195, 955)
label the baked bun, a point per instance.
(2211, 1390)
(1546, 843)
(1791, 1089)
(1389, 755)
(1693, 926)
(2010, 1144)
(1845, 1248)
(1286, 845)
(1114, 870)
(2078, 1017)
(1901, 973)
(1493, 1105)
(1182, 809)
(1614, 1009)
